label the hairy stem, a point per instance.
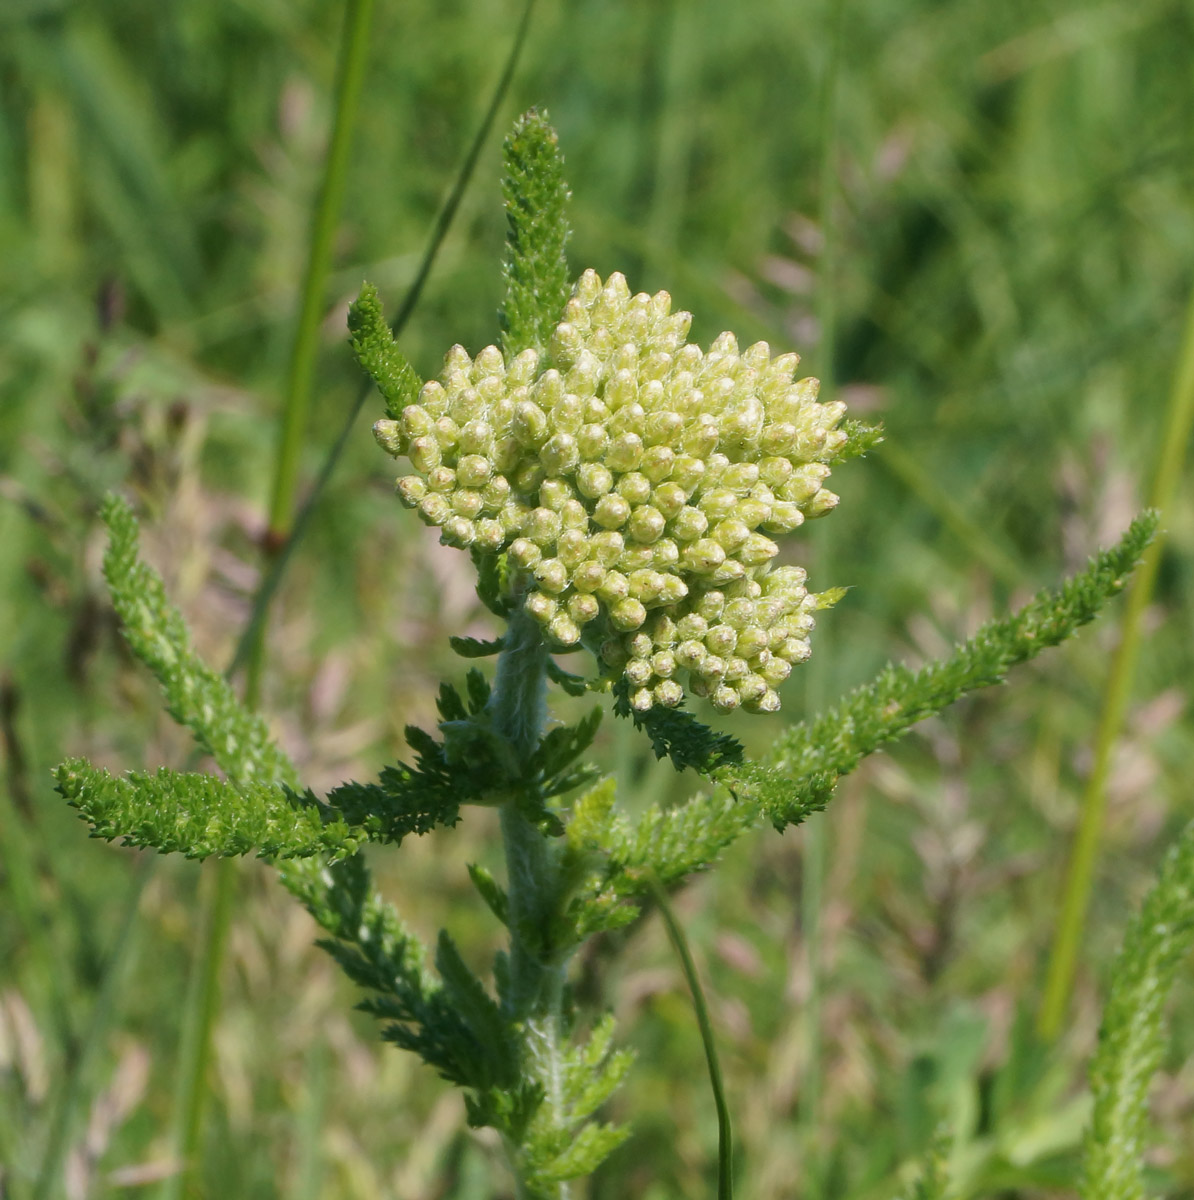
(537, 969)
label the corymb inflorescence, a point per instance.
(636, 484)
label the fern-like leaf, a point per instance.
(537, 232)
(201, 815)
(1131, 1039)
(379, 356)
(808, 759)
(196, 696)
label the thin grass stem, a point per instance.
(725, 1135)
(95, 1036)
(812, 890)
(203, 997)
(350, 73)
(284, 550)
(1079, 880)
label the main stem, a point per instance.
(537, 969)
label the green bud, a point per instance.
(477, 438)
(627, 614)
(718, 504)
(496, 493)
(689, 523)
(416, 422)
(614, 587)
(751, 641)
(560, 454)
(466, 503)
(490, 535)
(564, 629)
(583, 609)
(642, 700)
(757, 550)
(542, 526)
(459, 532)
(473, 471)
(674, 589)
(646, 585)
(703, 556)
(529, 424)
(594, 480)
(542, 608)
(592, 440)
(425, 454)
(688, 471)
(646, 524)
(611, 512)
(607, 546)
(572, 547)
(663, 663)
(433, 398)
(589, 576)
(522, 369)
(524, 553)
(434, 509)
(670, 499)
(638, 671)
(411, 489)
(823, 502)
(625, 452)
(390, 437)
(722, 639)
(730, 534)
(725, 699)
(691, 654)
(665, 554)
(528, 477)
(636, 556)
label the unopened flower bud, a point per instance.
(390, 437)
(411, 489)
(627, 614)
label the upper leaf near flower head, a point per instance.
(635, 484)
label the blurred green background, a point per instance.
(975, 221)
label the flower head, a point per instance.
(636, 483)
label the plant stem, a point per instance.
(812, 889)
(518, 712)
(1075, 900)
(199, 1016)
(203, 994)
(350, 71)
(284, 551)
(725, 1137)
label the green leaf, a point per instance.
(677, 735)
(537, 232)
(561, 746)
(860, 439)
(196, 696)
(810, 757)
(491, 892)
(1131, 1039)
(200, 815)
(375, 349)
(468, 647)
(574, 685)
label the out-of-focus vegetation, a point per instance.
(995, 218)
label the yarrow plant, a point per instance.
(623, 491)
(634, 484)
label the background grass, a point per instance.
(1011, 243)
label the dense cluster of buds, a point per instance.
(637, 483)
